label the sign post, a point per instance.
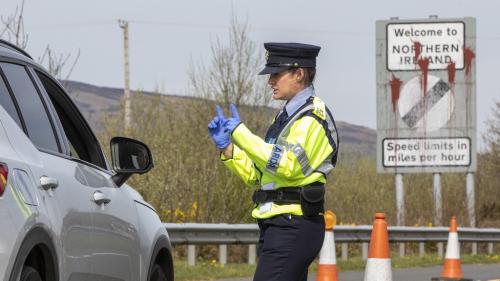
(426, 101)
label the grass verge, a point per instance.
(212, 270)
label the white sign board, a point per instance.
(440, 42)
(426, 95)
(430, 152)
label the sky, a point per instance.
(165, 36)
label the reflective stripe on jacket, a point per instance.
(304, 153)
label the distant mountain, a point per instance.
(94, 101)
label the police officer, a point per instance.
(289, 166)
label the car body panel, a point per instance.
(16, 217)
(69, 207)
(115, 230)
(112, 241)
(150, 235)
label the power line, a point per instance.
(178, 24)
(71, 25)
(211, 26)
(215, 26)
(191, 25)
(492, 38)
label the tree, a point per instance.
(189, 182)
(231, 76)
(57, 63)
(13, 28)
(487, 176)
(492, 135)
(13, 31)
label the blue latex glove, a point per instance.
(232, 122)
(220, 136)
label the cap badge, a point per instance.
(267, 55)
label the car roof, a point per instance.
(9, 50)
(7, 45)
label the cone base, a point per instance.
(327, 272)
(450, 279)
(452, 269)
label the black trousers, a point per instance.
(287, 246)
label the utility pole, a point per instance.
(124, 25)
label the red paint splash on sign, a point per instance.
(469, 55)
(418, 50)
(451, 72)
(395, 88)
(424, 67)
(451, 80)
(423, 64)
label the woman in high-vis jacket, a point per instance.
(289, 166)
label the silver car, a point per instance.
(65, 214)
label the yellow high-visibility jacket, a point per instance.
(304, 153)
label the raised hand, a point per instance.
(220, 136)
(232, 122)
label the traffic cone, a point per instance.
(327, 268)
(378, 265)
(451, 269)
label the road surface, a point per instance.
(477, 272)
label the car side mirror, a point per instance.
(129, 157)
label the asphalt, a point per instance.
(474, 272)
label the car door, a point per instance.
(115, 238)
(62, 187)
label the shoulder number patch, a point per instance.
(319, 108)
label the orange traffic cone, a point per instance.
(378, 265)
(327, 269)
(451, 268)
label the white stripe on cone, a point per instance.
(452, 249)
(327, 254)
(378, 270)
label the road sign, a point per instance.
(426, 152)
(441, 42)
(426, 95)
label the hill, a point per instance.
(94, 101)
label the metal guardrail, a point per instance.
(192, 234)
(217, 234)
(201, 233)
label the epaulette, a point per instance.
(319, 108)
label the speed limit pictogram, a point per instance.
(427, 110)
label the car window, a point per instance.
(38, 125)
(82, 142)
(8, 104)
